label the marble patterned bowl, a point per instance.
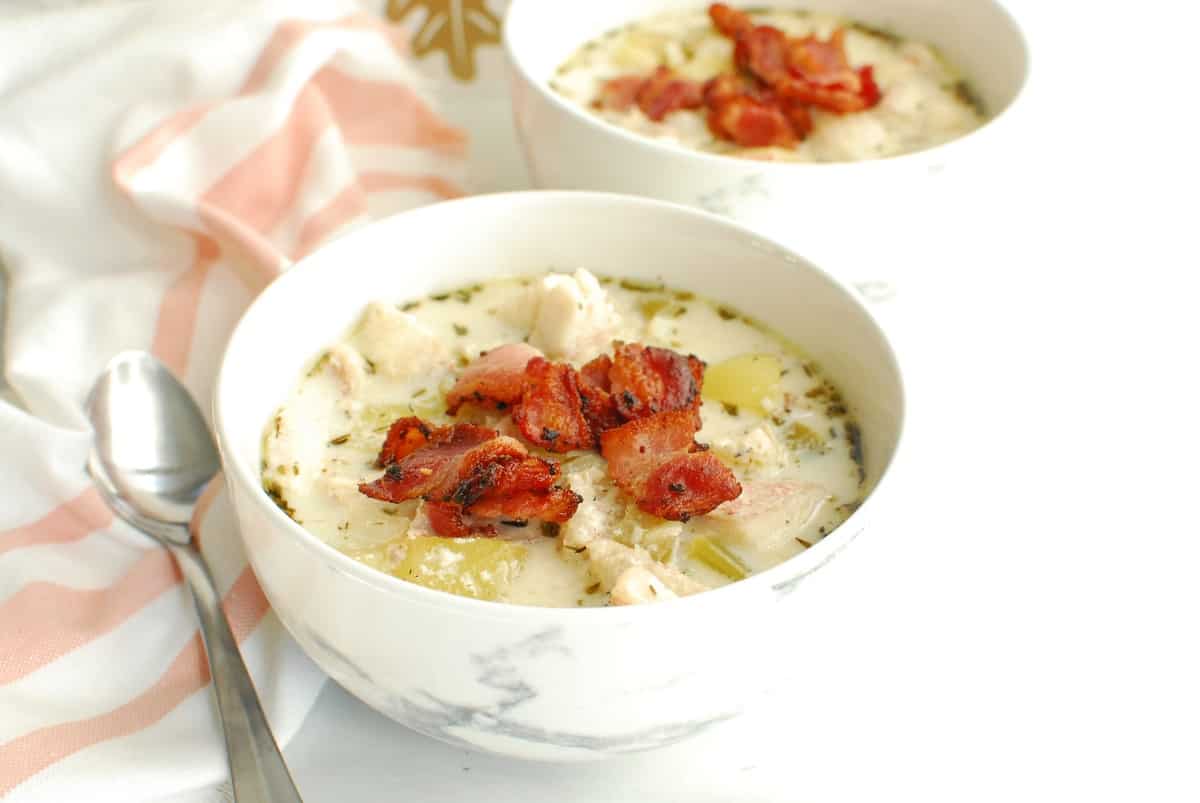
(537, 683)
(819, 208)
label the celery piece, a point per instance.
(717, 557)
(656, 536)
(483, 568)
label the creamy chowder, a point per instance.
(765, 413)
(771, 84)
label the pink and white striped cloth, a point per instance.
(159, 164)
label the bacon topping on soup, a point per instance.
(551, 413)
(494, 380)
(470, 476)
(640, 407)
(657, 461)
(767, 101)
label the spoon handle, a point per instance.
(256, 766)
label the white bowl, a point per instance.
(540, 683)
(819, 208)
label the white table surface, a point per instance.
(1020, 623)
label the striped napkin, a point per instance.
(159, 164)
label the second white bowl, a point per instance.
(817, 208)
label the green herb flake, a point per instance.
(460, 330)
(410, 306)
(652, 306)
(639, 286)
(339, 440)
(800, 436)
(854, 435)
(726, 313)
(963, 91)
(878, 33)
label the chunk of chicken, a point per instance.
(608, 560)
(349, 367)
(637, 585)
(397, 344)
(600, 511)
(569, 317)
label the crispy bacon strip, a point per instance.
(664, 92)
(594, 391)
(404, 437)
(803, 70)
(550, 413)
(838, 98)
(762, 51)
(556, 505)
(729, 21)
(494, 380)
(595, 373)
(468, 475)
(447, 520)
(688, 485)
(620, 93)
(657, 462)
(635, 449)
(647, 380)
(432, 470)
(752, 124)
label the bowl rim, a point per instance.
(792, 569)
(666, 148)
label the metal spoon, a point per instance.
(151, 459)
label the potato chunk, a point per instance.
(483, 568)
(749, 381)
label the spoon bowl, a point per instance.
(153, 454)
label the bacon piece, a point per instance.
(815, 59)
(620, 93)
(635, 449)
(647, 380)
(480, 470)
(595, 373)
(821, 75)
(594, 391)
(599, 409)
(799, 117)
(467, 475)
(729, 21)
(550, 413)
(432, 470)
(656, 461)
(404, 437)
(752, 124)
(556, 505)
(493, 380)
(726, 87)
(447, 520)
(803, 70)
(688, 485)
(664, 92)
(763, 52)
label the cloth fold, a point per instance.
(158, 166)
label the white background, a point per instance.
(1021, 622)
